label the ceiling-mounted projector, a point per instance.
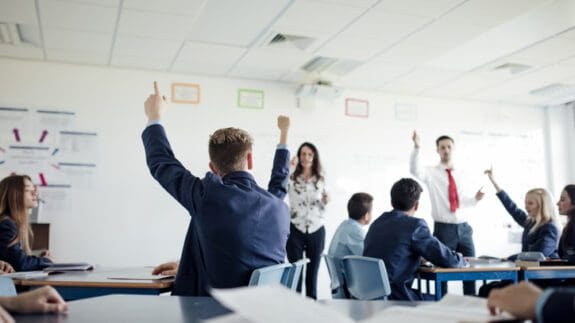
(319, 90)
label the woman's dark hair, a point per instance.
(315, 167)
(566, 235)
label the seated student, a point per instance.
(566, 206)
(235, 225)
(540, 231)
(40, 300)
(349, 236)
(17, 196)
(527, 301)
(401, 240)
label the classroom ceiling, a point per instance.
(510, 51)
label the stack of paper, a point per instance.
(26, 274)
(278, 304)
(72, 266)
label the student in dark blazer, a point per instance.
(539, 222)
(17, 196)
(401, 239)
(566, 206)
(527, 301)
(236, 226)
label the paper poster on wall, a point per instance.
(11, 115)
(250, 98)
(356, 108)
(405, 112)
(186, 93)
(54, 118)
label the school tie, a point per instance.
(452, 189)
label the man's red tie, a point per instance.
(452, 189)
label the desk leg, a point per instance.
(438, 289)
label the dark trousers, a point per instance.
(313, 244)
(458, 237)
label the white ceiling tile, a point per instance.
(28, 52)
(237, 23)
(153, 25)
(429, 8)
(420, 79)
(79, 57)
(296, 77)
(78, 41)
(18, 11)
(146, 47)
(569, 34)
(313, 18)
(152, 63)
(547, 52)
(351, 3)
(77, 16)
(102, 3)
(268, 58)
(256, 73)
(412, 53)
(207, 58)
(383, 26)
(374, 74)
(490, 13)
(351, 48)
(175, 7)
(446, 33)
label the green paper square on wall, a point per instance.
(250, 99)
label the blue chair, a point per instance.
(366, 278)
(335, 271)
(295, 273)
(274, 274)
(7, 287)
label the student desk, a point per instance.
(145, 308)
(547, 272)
(82, 284)
(499, 271)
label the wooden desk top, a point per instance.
(99, 277)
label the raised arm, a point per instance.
(489, 173)
(414, 166)
(163, 165)
(280, 171)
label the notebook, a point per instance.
(71, 266)
(27, 274)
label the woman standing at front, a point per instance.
(308, 199)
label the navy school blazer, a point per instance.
(235, 227)
(545, 239)
(558, 307)
(401, 240)
(14, 254)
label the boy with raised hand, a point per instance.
(236, 226)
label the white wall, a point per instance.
(126, 218)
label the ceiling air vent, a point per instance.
(554, 90)
(10, 34)
(339, 67)
(286, 40)
(512, 68)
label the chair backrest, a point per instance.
(274, 274)
(366, 277)
(335, 270)
(295, 273)
(7, 287)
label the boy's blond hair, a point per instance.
(228, 149)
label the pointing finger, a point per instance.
(156, 91)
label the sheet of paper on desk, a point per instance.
(274, 303)
(141, 277)
(451, 308)
(27, 274)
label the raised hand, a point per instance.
(416, 140)
(489, 173)
(155, 105)
(283, 125)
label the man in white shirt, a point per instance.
(441, 180)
